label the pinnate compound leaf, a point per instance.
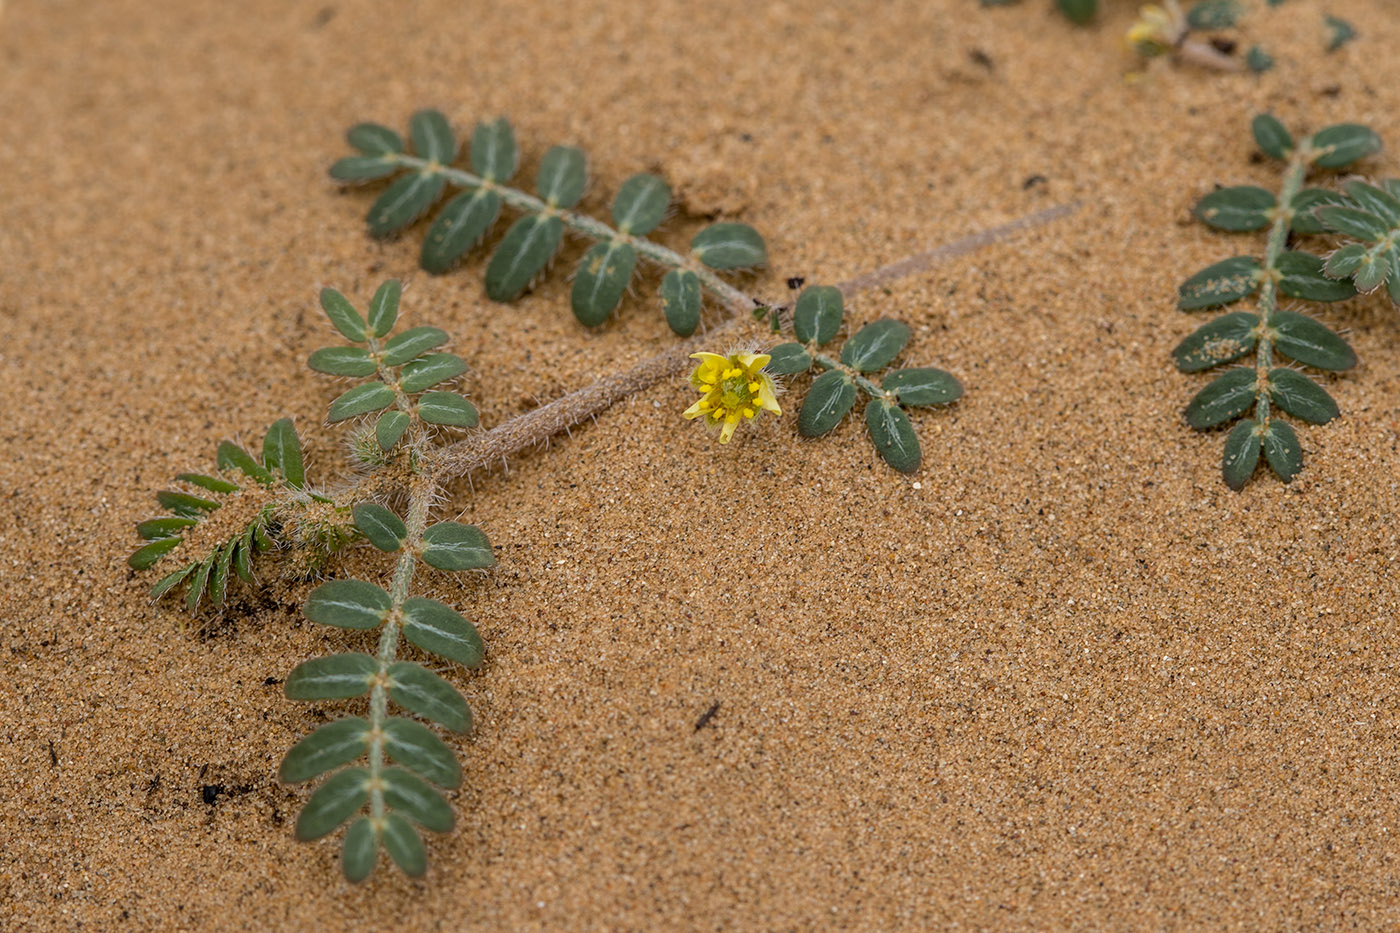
(363, 168)
(171, 526)
(420, 691)
(146, 555)
(563, 176)
(407, 793)
(382, 527)
(1302, 398)
(361, 848)
(361, 400)
(428, 371)
(185, 505)
(374, 139)
(455, 546)
(1307, 201)
(334, 802)
(459, 227)
(729, 246)
(403, 845)
(447, 408)
(818, 314)
(343, 315)
(1246, 207)
(789, 359)
(1220, 284)
(603, 276)
(419, 749)
(893, 435)
(1282, 450)
(332, 745)
(1339, 146)
(1241, 453)
(1223, 340)
(924, 385)
(524, 251)
(334, 677)
(875, 345)
(342, 361)
(438, 628)
(211, 483)
(412, 343)
(641, 204)
(1311, 343)
(1228, 397)
(680, 301)
(432, 136)
(832, 394)
(1303, 277)
(282, 452)
(348, 604)
(494, 155)
(1273, 138)
(405, 200)
(389, 429)
(384, 307)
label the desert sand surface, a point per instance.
(1061, 677)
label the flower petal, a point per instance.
(728, 430)
(752, 362)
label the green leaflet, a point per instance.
(1226, 398)
(1241, 453)
(342, 361)
(1310, 343)
(893, 435)
(410, 795)
(330, 746)
(1220, 284)
(681, 300)
(1302, 398)
(1080, 12)
(924, 385)
(1273, 139)
(641, 204)
(335, 801)
(384, 307)
(373, 139)
(171, 580)
(218, 575)
(1345, 261)
(198, 581)
(419, 749)
(875, 345)
(428, 371)
(818, 314)
(494, 155)
(1223, 340)
(1339, 146)
(1258, 60)
(1375, 200)
(1341, 31)
(459, 227)
(348, 604)
(211, 483)
(526, 249)
(446, 408)
(454, 546)
(334, 677)
(1282, 450)
(405, 200)
(403, 845)
(364, 168)
(359, 851)
(789, 359)
(282, 452)
(231, 456)
(563, 176)
(1302, 277)
(1241, 208)
(432, 137)
(388, 430)
(361, 400)
(603, 276)
(383, 528)
(148, 554)
(412, 343)
(1213, 14)
(1307, 201)
(832, 394)
(438, 628)
(1353, 222)
(729, 246)
(185, 505)
(343, 315)
(153, 529)
(420, 691)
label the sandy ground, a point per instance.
(1060, 677)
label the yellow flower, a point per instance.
(732, 389)
(1156, 30)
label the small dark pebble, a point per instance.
(795, 282)
(211, 793)
(707, 716)
(1032, 181)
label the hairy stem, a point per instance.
(1268, 290)
(826, 362)
(732, 297)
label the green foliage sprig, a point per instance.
(530, 244)
(1268, 330)
(816, 321)
(1367, 219)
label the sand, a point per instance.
(1061, 677)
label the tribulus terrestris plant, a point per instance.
(1270, 330)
